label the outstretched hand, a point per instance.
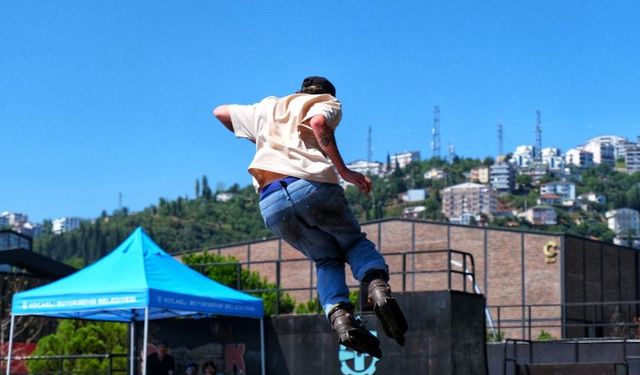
(362, 182)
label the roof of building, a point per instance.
(509, 229)
(466, 185)
(36, 264)
(620, 211)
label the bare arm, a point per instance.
(222, 114)
(327, 140)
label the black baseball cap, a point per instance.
(317, 85)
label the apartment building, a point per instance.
(632, 159)
(579, 157)
(372, 168)
(603, 151)
(480, 175)
(552, 157)
(619, 144)
(541, 215)
(13, 218)
(593, 197)
(4, 222)
(523, 156)
(402, 159)
(468, 198)
(624, 221)
(503, 177)
(566, 191)
(65, 224)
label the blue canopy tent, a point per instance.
(137, 281)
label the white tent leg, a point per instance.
(13, 317)
(262, 354)
(144, 344)
(132, 354)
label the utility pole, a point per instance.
(435, 133)
(500, 139)
(538, 155)
(369, 149)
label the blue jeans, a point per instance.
(315, 218)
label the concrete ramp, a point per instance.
(446, 336)
(573, 368)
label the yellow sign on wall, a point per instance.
(550, 250)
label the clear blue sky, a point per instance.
(99, 98)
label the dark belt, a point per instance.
(276, 185)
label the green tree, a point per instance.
(633, 197)
(524, 182)
(206, 190)
(82, 337)
(228, 271)
(433, 209)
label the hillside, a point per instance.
(176, 225)
(232, 215)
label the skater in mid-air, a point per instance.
(294, 171)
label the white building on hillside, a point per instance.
(30, 229)
(435, 174)
(579, 158)
(523, 156)
(632, 159)
(480, 174)
(413, 212)
(603, 152)
(14, 219)
(414, 195)
(620, 144)
(65, 224)
(468, 198)
(592, 197)
(404, 158)
(566, 191)
(503, 177)
(540, 215)
(624, 221)
(372, 168)
(224, 197)
(552, 157)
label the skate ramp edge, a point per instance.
(446, 336)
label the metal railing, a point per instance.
(513, 358)
(450, 260)
(594, 319)
(61, 360)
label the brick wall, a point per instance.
(600, 272)
(510, 269)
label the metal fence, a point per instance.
(619, 319)
(623, 356)
(455, 268)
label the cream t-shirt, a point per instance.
(285, 143)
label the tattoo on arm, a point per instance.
(327, 139)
